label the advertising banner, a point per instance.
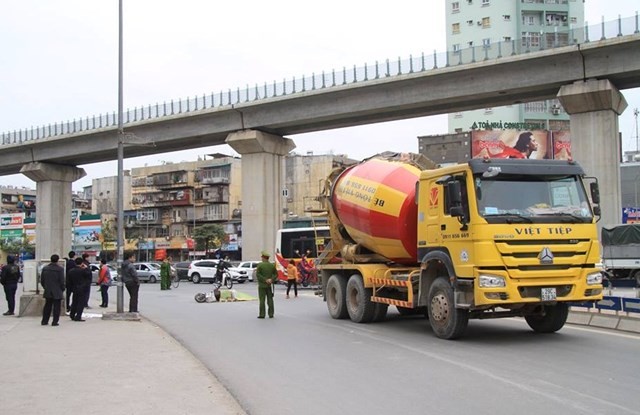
(510, 144)
(11, 221)
(561, 145)
(631, 215)
(87, 234)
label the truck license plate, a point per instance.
(548, 294)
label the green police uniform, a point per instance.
(165, 275)
(265, 271)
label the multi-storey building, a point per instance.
(168, 201)
(304, 180)
(492, 28)
(18, 200)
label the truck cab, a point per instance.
(518, 235)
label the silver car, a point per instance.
(147, 271)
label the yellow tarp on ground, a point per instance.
(225, 295)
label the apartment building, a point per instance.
(486, 29)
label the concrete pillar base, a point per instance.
(594, 106)
(31, 305)
(262, 184)
(121, 316)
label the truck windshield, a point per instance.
(528, 199)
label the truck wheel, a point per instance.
(380, 312)
(447, 321)
(552, 319)
(336, 296)
(359, 305)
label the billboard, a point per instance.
(561, 145)
(511, 144)
(631, 215)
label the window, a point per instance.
(531, 39)
(485, 3)
(456, 48)
(455, 7)
(574, 20)
(507, 38)
(455, 28)
(529, 20)
(486, 22)
(470, 22)
(506, 17)
(486, 43)
(470, 44)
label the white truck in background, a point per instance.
(621, 251)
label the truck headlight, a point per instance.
(491, 281)
(594, 278)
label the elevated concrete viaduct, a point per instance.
(577, 71)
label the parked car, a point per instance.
(95, 272)
(182, 269)
(147, 271)
(202, 270)
(245, 270)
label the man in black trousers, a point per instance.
(70, 264)
(80, 277)
(52, 280)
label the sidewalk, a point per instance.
(102, 367)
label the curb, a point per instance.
(605, 321)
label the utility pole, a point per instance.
(120, 197)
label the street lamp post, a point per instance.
(120, 196)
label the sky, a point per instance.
(59, 61)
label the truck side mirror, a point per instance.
(454, 193)
(595, 192)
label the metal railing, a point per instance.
(334, 78)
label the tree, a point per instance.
(17, 245)
(208, 237)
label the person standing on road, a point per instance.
(52, 280)
(80, 278)
(9, 278)
(69, 265)
(266, 274)
(87, 289)
(131, 281)
(165, 274)
(104, 281)
(292, 277)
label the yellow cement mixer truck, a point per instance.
(489, 238)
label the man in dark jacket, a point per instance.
(9, 278)
(80, 277)
(71, 262)
(52, 280)
(131, 281)
(87, 289)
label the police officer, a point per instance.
(266, 274)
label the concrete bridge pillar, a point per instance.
(53, 193)
(594, 106)
(262, 184)
(53, 222)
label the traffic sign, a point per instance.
(610, 303)
(631, 305)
